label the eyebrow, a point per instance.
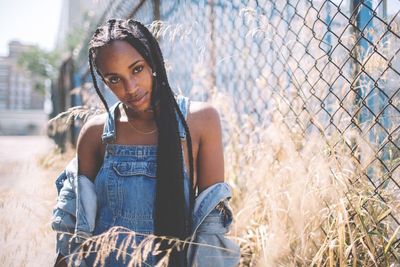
(130, 66)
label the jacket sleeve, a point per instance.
(63, 219)
(210, 246)
(86, 208)
(75, 212)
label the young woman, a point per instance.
(155, 158)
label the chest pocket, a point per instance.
(128, 168)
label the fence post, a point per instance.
(156, 9)
(369, 91)
(75, 101)
(328, 41)
(358, 18)
(212, 49)
(361, 10)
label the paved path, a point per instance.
(27, 196)
(21, 148)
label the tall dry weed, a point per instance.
(27, 196)
(299, 201)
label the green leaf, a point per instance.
(387, 247)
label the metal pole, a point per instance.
(212, 48)
(361, 9)
(156, 9)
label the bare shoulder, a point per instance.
(97, 120)
(205, 119)
(89, 146)
(203, 113)
(93, 127)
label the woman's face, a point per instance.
(126, 73)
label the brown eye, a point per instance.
(114, 80)
(137, 69)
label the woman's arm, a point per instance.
(212, 214)
(210, 158)
(90, 150)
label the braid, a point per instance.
(111, 23)
(159, 54)
(155, 45)
(165, 89)
(189, 139)
(95, 81)
(190, 152)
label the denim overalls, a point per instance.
(85, 208)
(126, 187)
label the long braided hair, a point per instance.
(171, 218)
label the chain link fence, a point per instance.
(331, 67)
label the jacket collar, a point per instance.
(72, 168)
(207, 200)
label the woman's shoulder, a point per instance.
(95, 123)
(90, 149)
(203, 111)
(203, 114)
(92, 130)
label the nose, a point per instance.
(131, 86)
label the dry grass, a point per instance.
(295, 204)
(27, 196)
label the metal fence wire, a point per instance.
(331, 67)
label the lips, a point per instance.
(137, 99)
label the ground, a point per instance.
(28, 168)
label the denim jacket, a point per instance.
(75, 215)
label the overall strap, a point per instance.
(108, 135)
(183, 103)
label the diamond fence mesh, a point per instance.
(326, 66)
(330, 67)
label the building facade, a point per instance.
(21, 106)
(16, 85)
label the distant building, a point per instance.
(16, 85)
(21, 106)
(4, 82)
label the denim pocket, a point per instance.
(145, 168)
(131, 187)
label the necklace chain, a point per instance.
(140, 131)
(130, 123)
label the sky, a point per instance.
(30, 21)
(36, 21)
